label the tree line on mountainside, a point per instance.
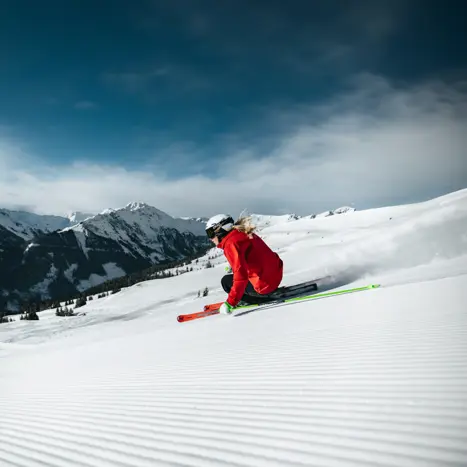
(30, 308)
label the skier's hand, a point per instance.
(226, 308)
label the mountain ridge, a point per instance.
(48, 257)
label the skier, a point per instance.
(257, 270)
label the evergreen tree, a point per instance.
(80, 302)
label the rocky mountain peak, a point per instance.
(136, 205)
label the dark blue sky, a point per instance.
(116, 80)
(178, 84)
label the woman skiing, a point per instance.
(257, 270)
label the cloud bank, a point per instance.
(374, 145)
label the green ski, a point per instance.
(306, 298)
(249, 308)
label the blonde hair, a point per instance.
(243, 224)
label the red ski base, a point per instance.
(213, 306)
(199, 314)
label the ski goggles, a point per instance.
(215, 230)
(212, 232)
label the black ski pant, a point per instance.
(250, 295)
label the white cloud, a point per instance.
(372, 146)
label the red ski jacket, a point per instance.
(251, 260)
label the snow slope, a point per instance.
(377, 378)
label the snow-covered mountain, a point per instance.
(26, 225)
(53, 256)
(50, 256)
(264, 221)
(343, 210)
(375, 378)
(112, 222)
(78, 216)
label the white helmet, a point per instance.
(219, 225)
